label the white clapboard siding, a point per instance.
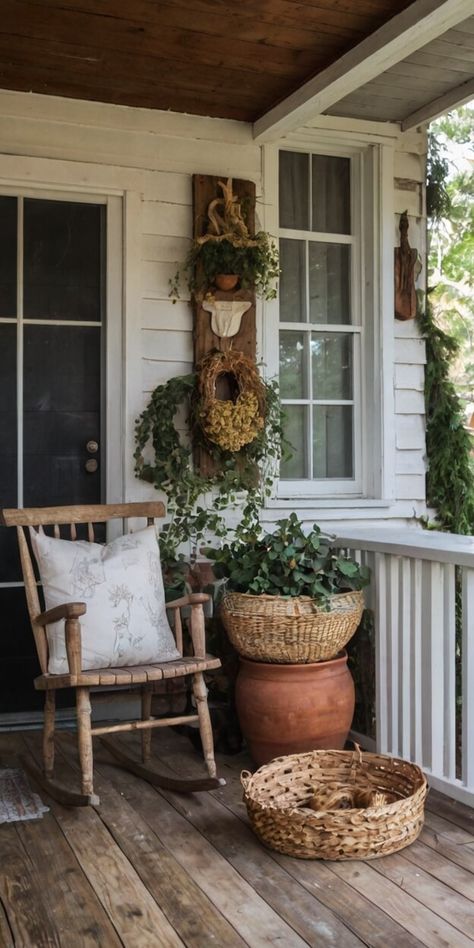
(410, 462)
(157, 373)
(409, 402)
(166, 314)
(168, 220)
(407, 199)
(167, 346)
(411, 351)
(410, 377)
(164, 248)
(68, 140)
(407, 329)
(156, 279)
(410, 432)
(413, 582)
(410, 486)
(410, 166)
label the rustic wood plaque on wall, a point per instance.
(205, 189)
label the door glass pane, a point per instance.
(329, 283)
(295, 433)
(293, 281)
(292, 365)
(62, 260)
(294, 190)
(61, 414)
(8, 251)
(331, 180)
(9, 561)
(331, 359)
(332, 441)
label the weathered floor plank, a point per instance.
(258, 923)
(133, 912)
(152, 868)
(186, 907)
(299, 908)
(428, 923)
(369, 922)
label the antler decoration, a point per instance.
(229, 225)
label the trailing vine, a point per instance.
(450, 477)
(242, 478)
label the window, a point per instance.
(320, 333)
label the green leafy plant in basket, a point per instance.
(287, 562)
(289, 596)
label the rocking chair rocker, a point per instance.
(108, 679)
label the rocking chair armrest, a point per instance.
(67, 610)
(197, 625)
(194, 599)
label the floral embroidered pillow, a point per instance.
(122, 586)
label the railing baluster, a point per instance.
(449, 667)
(393, 653)
(405, 662)
(432, 669)
(416, 662)
(381, 678)
(468, 677)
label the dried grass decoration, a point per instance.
(235, 422)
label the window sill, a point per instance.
(330, 503)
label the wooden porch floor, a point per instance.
(149, 868)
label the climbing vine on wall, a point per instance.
(450, 477)
(243, 478)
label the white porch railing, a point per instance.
(413, 595)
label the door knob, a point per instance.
(92, 447)
(91, 465)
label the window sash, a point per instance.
(332, 486)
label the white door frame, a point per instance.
(112, 405)
(113, 400)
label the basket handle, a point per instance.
(356, 757)
(245, 778)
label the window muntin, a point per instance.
(320, 334)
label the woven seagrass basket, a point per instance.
(290, 631)
(303, 805)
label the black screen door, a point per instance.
(52, 306)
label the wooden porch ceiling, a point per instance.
(207, 57)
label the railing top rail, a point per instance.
(412, 542)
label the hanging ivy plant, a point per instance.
(163, 459)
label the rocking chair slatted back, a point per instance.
(145, 676)
(68, 516)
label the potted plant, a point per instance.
(227, 254)
(253, 265)
(290, 604)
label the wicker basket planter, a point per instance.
(290, 631)
(336, 804)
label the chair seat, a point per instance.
(126, 675)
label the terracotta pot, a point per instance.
(226, 281)
(290, 709)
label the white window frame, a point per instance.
(372, 281)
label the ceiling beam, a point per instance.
(422, 22)
(444, 103)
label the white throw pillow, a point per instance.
(122, 586)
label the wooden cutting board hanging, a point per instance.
(406, 271)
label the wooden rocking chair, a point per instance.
(106, 679)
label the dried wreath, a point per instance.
(233, 422)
